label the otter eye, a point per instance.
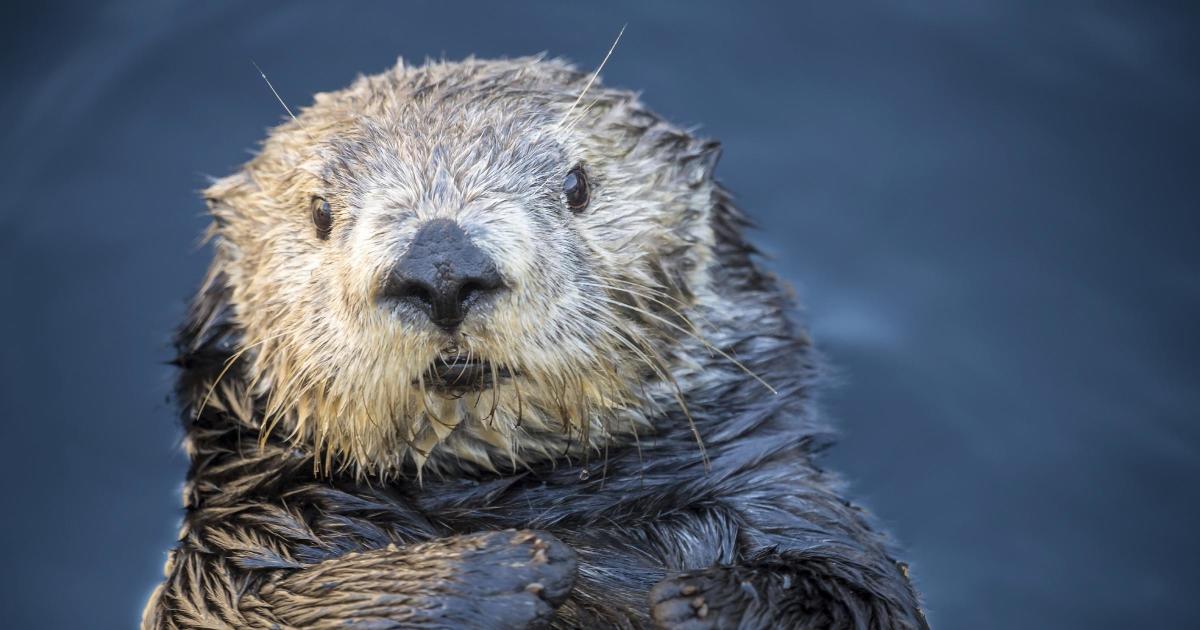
(322, 217)
(575, 189)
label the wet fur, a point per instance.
(600, 510)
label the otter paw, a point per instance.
(712, 598)
(516, 578)
(521, 561)
(506, 580)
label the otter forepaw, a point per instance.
(524, 575)
(700, 600)
(507, 579)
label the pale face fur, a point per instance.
(590, 326)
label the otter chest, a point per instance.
(615, 524)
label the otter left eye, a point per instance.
(322, 217)
(575, 189)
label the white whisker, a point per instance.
(595, 74)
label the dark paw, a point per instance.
(520, 561)
(514, 579)
(700, 600)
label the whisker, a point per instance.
(697, 337)
(280, 99)
(520, 403)
(595, 74)
(228, 364)
(658, 367)
(645, 290)
(581, 117)
(425, 403)
(641, 296)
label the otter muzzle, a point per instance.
(443, 274)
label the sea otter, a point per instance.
(483, 345)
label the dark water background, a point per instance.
(988, 208)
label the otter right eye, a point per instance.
(322, 217)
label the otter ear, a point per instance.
(700, 162)
(222, 196)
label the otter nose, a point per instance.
(443, 274)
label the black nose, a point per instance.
(443, 274)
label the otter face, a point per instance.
(466, 259)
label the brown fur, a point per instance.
(656, 429)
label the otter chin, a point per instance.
(484, 344)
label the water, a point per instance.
(988, 209)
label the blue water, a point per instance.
(988, 208)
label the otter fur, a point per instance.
(483, 345)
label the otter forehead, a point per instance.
(473, 126)
(437, 152)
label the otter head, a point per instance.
(466, 261)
